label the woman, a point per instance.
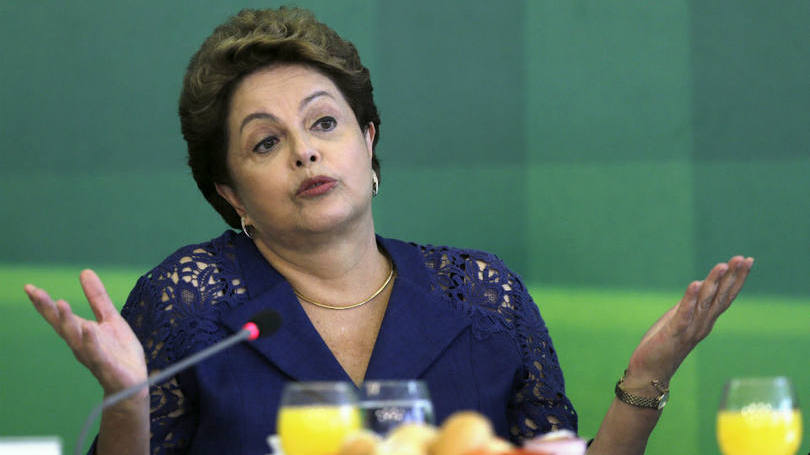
(281, 126)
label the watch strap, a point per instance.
(639, 401)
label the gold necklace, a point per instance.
(354, 305)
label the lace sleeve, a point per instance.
(498, 302)
(539, 403)
(172, 421)
(174, 310)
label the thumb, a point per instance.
(97, 296)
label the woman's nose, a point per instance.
(304, 153)
(309, 158)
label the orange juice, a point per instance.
(759, 430)
(316, 430)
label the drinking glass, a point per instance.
(315, 417)
(759, 416)
(388, 404)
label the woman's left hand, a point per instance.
(672, 338)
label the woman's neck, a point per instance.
(335, 268)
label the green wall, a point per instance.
(606, 145)
(565, 136)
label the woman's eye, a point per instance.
(325, 124)
(266, 145)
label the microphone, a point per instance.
(262, 324)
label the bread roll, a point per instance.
(462, 432)
(361, 442)
(417, 435)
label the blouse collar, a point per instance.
(418, 324)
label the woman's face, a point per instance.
(299, 161)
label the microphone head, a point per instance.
(267, 321)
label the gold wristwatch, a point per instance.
(638, 401)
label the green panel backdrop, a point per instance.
(609, 152)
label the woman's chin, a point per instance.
(337, 222)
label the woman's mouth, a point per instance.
(316, 186)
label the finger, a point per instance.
(745, 269)
(100, 301)
(43, 303)
(85, 347)
(710, 286)
(686, 308)
(69, 324)
(733, 280)
(731, 286)
(729, 280)
(90, 345)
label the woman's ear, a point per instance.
(228, 193)
(368, 135)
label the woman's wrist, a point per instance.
(641, 392)
(137, 403)
(643, 383)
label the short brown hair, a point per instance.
(251, 40)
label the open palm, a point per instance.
(106, 346)
(667, 343)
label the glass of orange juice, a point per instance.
(759, 416)
(315, 417)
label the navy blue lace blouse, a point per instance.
(457, 319)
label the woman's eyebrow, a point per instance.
(311, 97)
(254, 116)
(265, 115)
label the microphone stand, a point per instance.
(242, 335)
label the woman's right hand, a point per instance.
(106, 346)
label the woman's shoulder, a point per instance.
(186, 292)
(481, 285)
(195, 257)
(465, 268)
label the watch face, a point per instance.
(662, 400)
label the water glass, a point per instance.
(388, 404)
